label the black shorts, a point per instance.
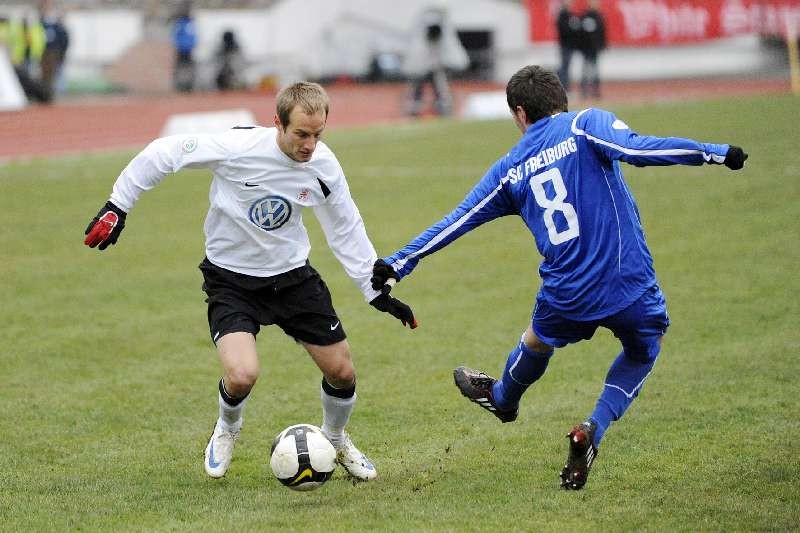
(298, 301)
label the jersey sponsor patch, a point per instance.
(189, 145)
(270, 213)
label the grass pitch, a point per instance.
(108, 386)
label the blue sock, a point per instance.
(624, 380)
(523, 367)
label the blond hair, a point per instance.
(311, 98)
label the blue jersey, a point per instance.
(564, 180)
(184, 35)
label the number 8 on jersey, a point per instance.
(556, 204)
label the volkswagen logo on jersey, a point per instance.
(270, 213)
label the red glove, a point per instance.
(104, 229)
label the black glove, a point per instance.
(104, 229)
(735, 158)
(396, 308)
(381, 273)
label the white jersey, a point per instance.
(254, 224)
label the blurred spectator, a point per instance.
(568, 26)
(25, 42)
(230, 63)
(385, 66)
(592, 41)
(55, 50)
(434, 49)
(184, 38)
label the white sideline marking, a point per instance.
(207, 122)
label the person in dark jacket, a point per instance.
(55, 50)
(592, 40)
(568, 26)
(230, 63)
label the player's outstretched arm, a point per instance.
(163, 156)
(735, 158)
(105, 227)
(614, 139)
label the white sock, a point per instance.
(335, 414)
(230, 416)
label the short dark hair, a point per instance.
(538, 91)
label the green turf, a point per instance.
(108, 378)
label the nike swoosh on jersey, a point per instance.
(334, 326)
(250, 184)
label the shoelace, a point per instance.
(227, 437)
(482, 381)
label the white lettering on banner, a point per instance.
(736, 18)
(645, 19)
(663, 22)
(775, 19)
(554, 7)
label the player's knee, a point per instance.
(533, 343)
(341, 376)
(646, 351)
(240, 380)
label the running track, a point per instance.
(113, 122)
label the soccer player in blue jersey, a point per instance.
(563, 178)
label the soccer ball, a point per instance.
(302, 458)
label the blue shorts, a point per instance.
(638, 326)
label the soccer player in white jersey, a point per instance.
(256, 270)
(564, 180)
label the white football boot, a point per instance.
(356, 463)
(219, 451)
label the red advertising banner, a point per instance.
(660, 22)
